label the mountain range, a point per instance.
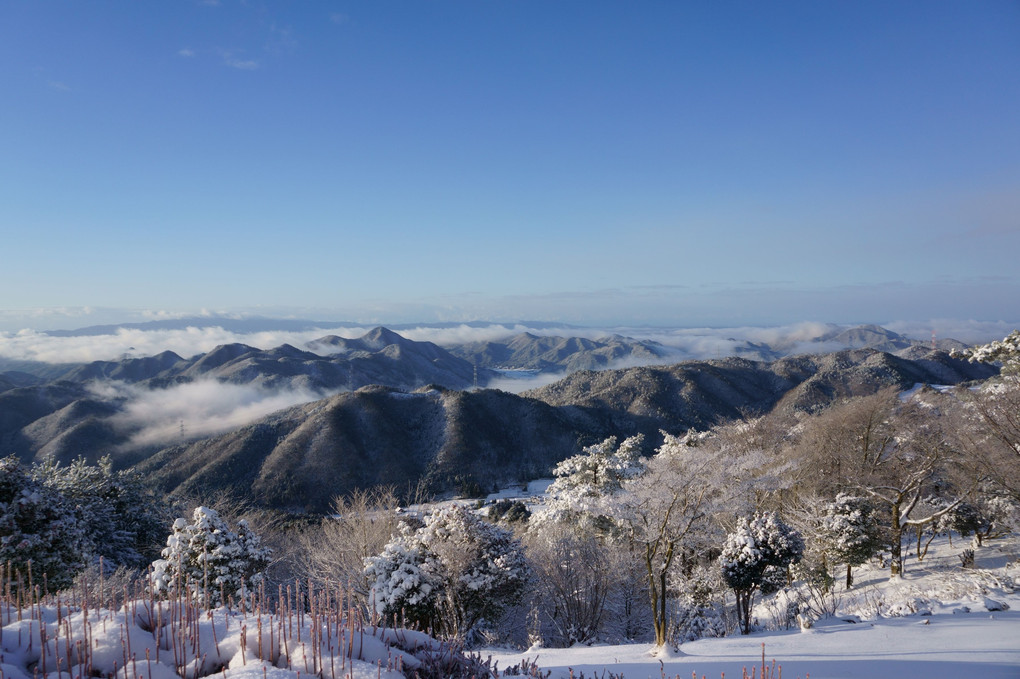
(300, 458)
(396, 411)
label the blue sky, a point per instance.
(665, 163)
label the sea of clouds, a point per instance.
(694, 343)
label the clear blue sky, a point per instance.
(635, 162)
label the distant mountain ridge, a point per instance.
(380, 356)
(560, 354)
(65, 417)
(303, 457)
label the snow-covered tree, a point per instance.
(663, 509)
(209, 561)
(451, 574)
(895, 452)
(756, 557)
(692, 478)
(988, 515)
(39, 531)
(585, 484)
(1005, 351)
(995, 444)
(122, 518)
(850, 532)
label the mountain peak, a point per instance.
(379, 337)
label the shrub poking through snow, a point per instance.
(756, 557)
(310, 634)
(449, 575)
(39, 534)
(209, 561)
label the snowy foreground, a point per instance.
(934, 623)
(975, 645)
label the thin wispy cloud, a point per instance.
(59, 86)
(186, 52)
(242, 64)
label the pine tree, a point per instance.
(209, 561)
(756, 557)
(39, 531)
(582, 494)
(851, 532)
(122, 518)
(451, 574)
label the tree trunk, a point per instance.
(896, 545)
(744, 609)
(657, 597)
(849, 576)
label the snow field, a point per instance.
(933, 622)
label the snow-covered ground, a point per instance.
(973, 645)
(932, 623)
(936, 622)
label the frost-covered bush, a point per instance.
(335, 550)
(696, 615)
(450, 575)
(122, 518)
(508, 511)
(756, 557)
(850, 532)
(39, 530)
(406, 580)
(209, 562)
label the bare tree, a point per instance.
(574, 580)
(986, 424)
(361, 525)
(894, 451)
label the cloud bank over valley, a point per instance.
(159, 417)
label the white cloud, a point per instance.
(516, 385)
(969, 331)
(242, 64)
(34, 346)
(193, 410)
